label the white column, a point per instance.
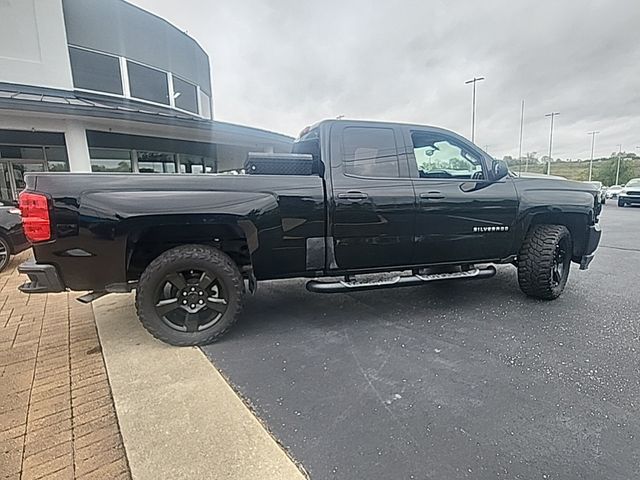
(77, 147)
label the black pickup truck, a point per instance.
(360, 205)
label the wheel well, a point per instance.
(576, 224)
(146, 244)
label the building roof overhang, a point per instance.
(90, 106)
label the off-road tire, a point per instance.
(536, 261)
(181, 258)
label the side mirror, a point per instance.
(500, 169)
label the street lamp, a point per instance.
(473, 106)
(593, 142)
(520, 143)
(618, 169)
(552, 115)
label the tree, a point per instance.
(607, 174)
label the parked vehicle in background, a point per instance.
(357, 205)
(602, 191)
(613, 191)
(630, 194)
(12, 238)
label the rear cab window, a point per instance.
(370, 152)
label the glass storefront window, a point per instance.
(148, 83)
(197, 164)
(27, 153)
(95, 71)
(57, 160)
(185, 95)
(110, 160)
(156, 162)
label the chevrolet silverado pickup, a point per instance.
(358, 205)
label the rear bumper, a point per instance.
(43, 278)
(593, 239)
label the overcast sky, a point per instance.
(284, 64)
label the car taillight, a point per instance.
(35, 216)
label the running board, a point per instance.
(318, 286)
(91, 296)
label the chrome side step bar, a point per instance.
(319, 286)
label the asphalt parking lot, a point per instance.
(459, 380)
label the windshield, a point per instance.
(635, 182)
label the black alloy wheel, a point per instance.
(560, 262)
(190, 300)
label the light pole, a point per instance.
(552, 115)
(473, 106)
(618, 169)
(593, 143)
(520, 143)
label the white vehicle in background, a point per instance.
(602, 191)
(613, 191)
(630, 194)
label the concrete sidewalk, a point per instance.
(179, 417)
(57, 418)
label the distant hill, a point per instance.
(604, 170)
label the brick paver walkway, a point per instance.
(57, 418)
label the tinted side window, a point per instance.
(95, 71)
(438, 156)
(148, 83)
(370, 152)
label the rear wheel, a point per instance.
(189, 295)
(544, 261)
(5, 254)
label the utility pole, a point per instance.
(593, 143)
(552, 115)
(618, 169)
(473, 106)
(520, 143)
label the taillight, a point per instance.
(35, 216)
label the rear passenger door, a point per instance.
(372, 211)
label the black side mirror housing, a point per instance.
(500, 169)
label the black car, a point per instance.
(12, 238)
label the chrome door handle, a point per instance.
(353, 196)
(432, 195)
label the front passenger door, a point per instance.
(463, 214)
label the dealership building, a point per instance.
(104, 86)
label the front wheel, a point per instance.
(544, 261)
(621, 203)
(189, 295)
